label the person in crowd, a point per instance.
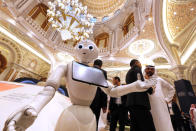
(175, 114)
(100, 100)
(117, 109)
(138, 103)
(162, 95)
(108, 117)
(193, 114)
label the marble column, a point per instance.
(111, 44)
(174, 49)
(179, 71)
(118, 36)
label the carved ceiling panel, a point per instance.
(10, 50)
(101, 8)
(113, 64)
(3, 8)
(160, 61)
(182, 1)
(147, 33)
(179, 16)
(12, 29)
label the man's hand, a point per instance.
(153, 91)
(20, 120)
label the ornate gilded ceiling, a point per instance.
(160, 61)
(147, 33)
(179, 16)
(20, 35)
(101, 8)
(4, 9)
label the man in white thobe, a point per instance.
(162, 95)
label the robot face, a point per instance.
(86, 51)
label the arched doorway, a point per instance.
(102, 40)
(3, 63)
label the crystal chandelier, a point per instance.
(71, 19)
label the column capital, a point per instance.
(179, 71)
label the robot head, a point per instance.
(86, 51)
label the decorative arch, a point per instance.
(102, 40)
(39, 15)
(3, 63)
(12, 49)
(160, 60)
(191, 73)
(193, 76)
(160, 33)
(129, 24)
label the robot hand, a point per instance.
(20, 120)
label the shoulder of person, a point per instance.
(128, 72)
(105, 72)
(136, 69)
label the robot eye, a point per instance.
(80, 46)
(90, 47)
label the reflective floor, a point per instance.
(102, 124)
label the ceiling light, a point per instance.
(146, 61)
(23, 44)
(150, 18)
(177, 27)
(12, 21)
(70, 19)
(192, 9)
(175, 13)
(165, 24)
(141, 47)
(143, 30)
(41, 45)
(30, 34)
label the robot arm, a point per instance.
(52, 84)
(26, 116)
(138, 86)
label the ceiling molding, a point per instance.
(160, 33)
(182, 1)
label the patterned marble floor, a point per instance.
(102, 123)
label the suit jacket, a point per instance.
(113, 105)
(137, 99)
(176, 110)
(100, 100)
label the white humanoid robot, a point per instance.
(78, 116)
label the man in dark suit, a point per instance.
(175, 115)
(100, 100)
(138, 103)
(117, 108)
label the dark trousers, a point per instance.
(97, 114)
(177, 124)
(141, 120)
(118, 114)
